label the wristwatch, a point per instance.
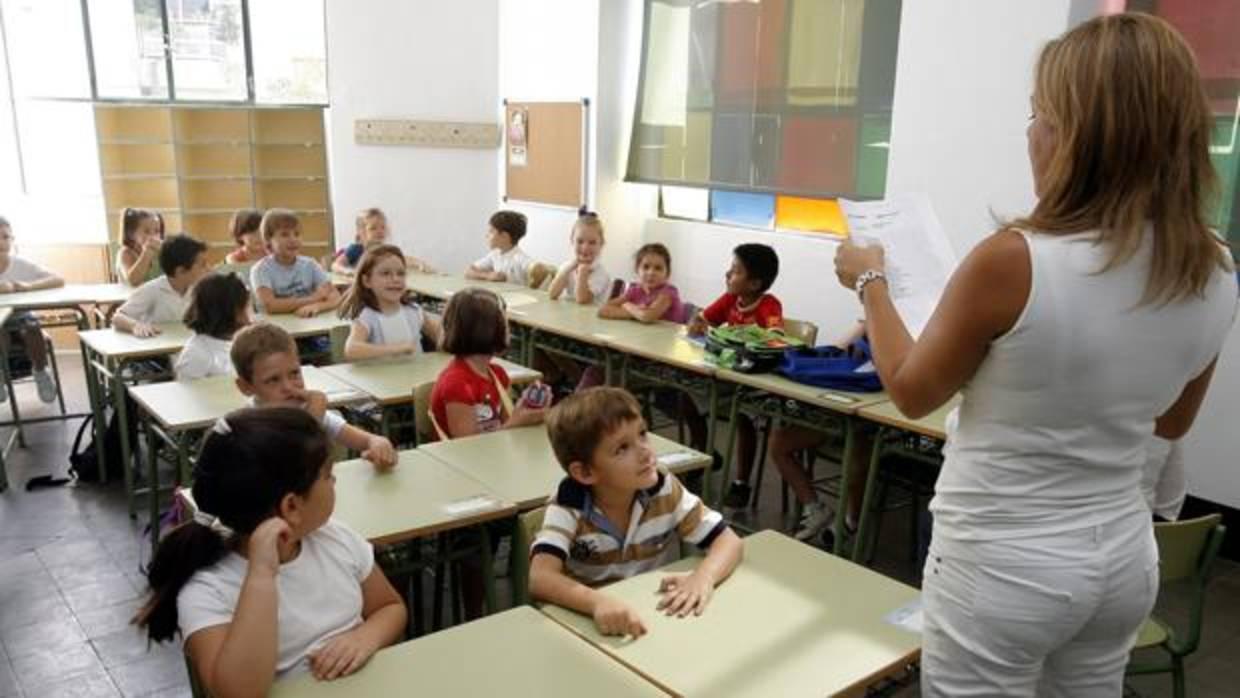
(866, 277)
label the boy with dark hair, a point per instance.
(165, 298)
(505, 261)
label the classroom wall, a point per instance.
(419, 60)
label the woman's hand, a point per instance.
(852, 260)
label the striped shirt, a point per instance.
(595, 551)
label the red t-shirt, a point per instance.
(460, 383)
(767, 312)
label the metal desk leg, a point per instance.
(518, 568)
(8, 386)
(865, 516)
(842, 505)
(93, 385)
(152, 474)
(122, 420)
(488, 570)
(729, 451)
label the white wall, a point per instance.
(421, 60)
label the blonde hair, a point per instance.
(278, 219)
(1132, 130)
(588, 219)
(363, 216)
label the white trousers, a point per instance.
(1046, 616)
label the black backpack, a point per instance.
(83, 461)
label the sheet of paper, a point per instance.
(918, 256)
(470, 505)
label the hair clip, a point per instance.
(203, 518)
(221, 426)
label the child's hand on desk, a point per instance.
(380, 453)
(142, 329)
(308, 310)
(685, 593)
(341, 656)
(614, 617)
(523, 416)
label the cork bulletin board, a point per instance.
(545, 152)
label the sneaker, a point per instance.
(738, 496)
(46, 385)
(827, 539)
(816, 517)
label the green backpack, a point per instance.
(748, 348)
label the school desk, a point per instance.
(390, 382)
(107, 352)
(791, 621)
(175, 412)
(519, 652)
(519, 466)
(567, 328)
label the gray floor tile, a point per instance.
(72, 552)
(130, 645)
(110, 591)
(149, 675)
(102, 621)
(47, 667)
(41, 637)
(97, 684)
(8, 680)
(50, 610)
(174, 692)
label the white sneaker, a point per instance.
(46, 385)
(815, 518)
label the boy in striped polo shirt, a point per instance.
(617, 515)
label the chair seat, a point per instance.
(1152, 634)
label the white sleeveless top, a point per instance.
(1053, 427)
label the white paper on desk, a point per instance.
(919, 259)
(512, 300)
(907, 617)
(469, 505)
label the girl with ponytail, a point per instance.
(262, 583)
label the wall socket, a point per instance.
(429, 134)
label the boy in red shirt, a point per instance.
(746, 302)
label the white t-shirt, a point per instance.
(204, 356)
(515, 264)
(332, 421)
(23, 270)
(402, 327)
(599, 282)
(156, 302)
(319, 594)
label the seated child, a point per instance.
(142, 233)
(284, 281)
(471, 394)
(269, 373)
(386, 321)
(164, 299)
(614, 484)
(285, 589)
(651, 298)
(220, 305)
(372, 230)
(583, 279)
(245, 229)
(17, 275)
(746, 302)
(504, 261)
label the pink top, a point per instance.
(639, 296)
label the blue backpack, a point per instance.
(851, 370)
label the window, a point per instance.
(40, 67)
(290, 55)
(777, 107)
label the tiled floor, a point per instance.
(69, 582)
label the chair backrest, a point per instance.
(539, 274)
(617, 289)
(1187, 548)
(422, 412)
(803, 330)
(240, 270)
(529, 522)
(1186, 551)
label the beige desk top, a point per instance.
(834, 400)
(392, 381)
(518, 652)
(791, 621)
(419, 497)
(67, 295)
(933, 425)
(666, 343)
(442, 286)
(580, 322)
(518, 465)
(179, 405)
(113, 344)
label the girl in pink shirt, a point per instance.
(651, 298)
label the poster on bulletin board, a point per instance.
(545, 152)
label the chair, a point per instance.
(803, 330)
(19, 365)
(617, 289)
(423, 427)
(540, 273)
(519, 554)
(1187, 550)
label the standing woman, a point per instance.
(1073, 335)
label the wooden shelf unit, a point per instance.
(195, 165)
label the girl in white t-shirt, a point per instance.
(386, 321)
(583, 278)
(262, 583)
(220, 306)
(16, 275)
